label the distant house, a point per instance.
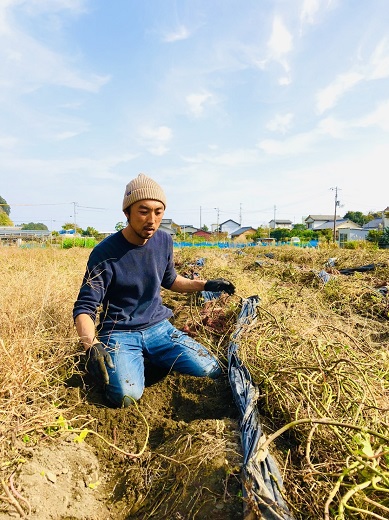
(350, 234)
(201, 233)
(284, 224)
(314, 221)
(241, 234)
(343, 223)
(345, 230)
(229, 226)
(378, 223)
(17, 234)
(188, 229)
(169, 226)
(374, 224)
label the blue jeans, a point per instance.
(165, 346)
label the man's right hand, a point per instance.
(97, 358)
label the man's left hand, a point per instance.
(219, 285)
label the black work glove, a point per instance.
(97, 358)
(218, 285)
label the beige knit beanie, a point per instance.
(142, 188)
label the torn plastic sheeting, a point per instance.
(361, 269)
(324, 276)
(210, 295)
(261, 478)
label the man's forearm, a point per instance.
(86, 330)
(185, 285)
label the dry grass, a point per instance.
(37, 338)
(318, 352)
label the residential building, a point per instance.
(188, 229)
(201, 233)
(229, 226)
(284, 224)
(378, 223)
(169, 226)
(314, 221)
(241, 234)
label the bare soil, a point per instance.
(189, 468)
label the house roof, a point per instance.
(167, 229)
(229, 220)
(241, 230)
(202, 232)
(281, 221)
(341, 222)
(325, 218)
(373, 224)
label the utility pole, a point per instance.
(240, 214)
(200, 217)
(217, 219)
(74, 215)
(274, 217)
(337, 203)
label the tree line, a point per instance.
(380, 237)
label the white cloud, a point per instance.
(41, 170)
(62, 136)
(280, 42)
(332, 127)
(378, 118)
(8, 141)
(377, 67)
(235, 158)
(196, 102)
(379, 64)
(295, 145)
(182, 33)
(329, 96)
(28, 63)
(159, 150)
(279, 45)
(309, 10)
(284, 81)
(327, 127)
(280, 123)
(155, 139)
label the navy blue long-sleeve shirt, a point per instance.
(126, 281)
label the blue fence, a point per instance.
(233, 245)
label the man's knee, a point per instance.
(215, 371)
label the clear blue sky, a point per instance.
(256, 108)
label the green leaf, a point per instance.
(81, 436)
(363, 441)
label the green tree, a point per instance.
(90, 232)
(326, 234)
(119, 226)
(205, 228)
(34, 225)
(70, 225)
(374, 236)
(384, 238)
(280, 234)
(358, 217)
(4, 206)
(260, 233)
(5, 220)
(299, 227)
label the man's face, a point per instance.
(144, 218)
